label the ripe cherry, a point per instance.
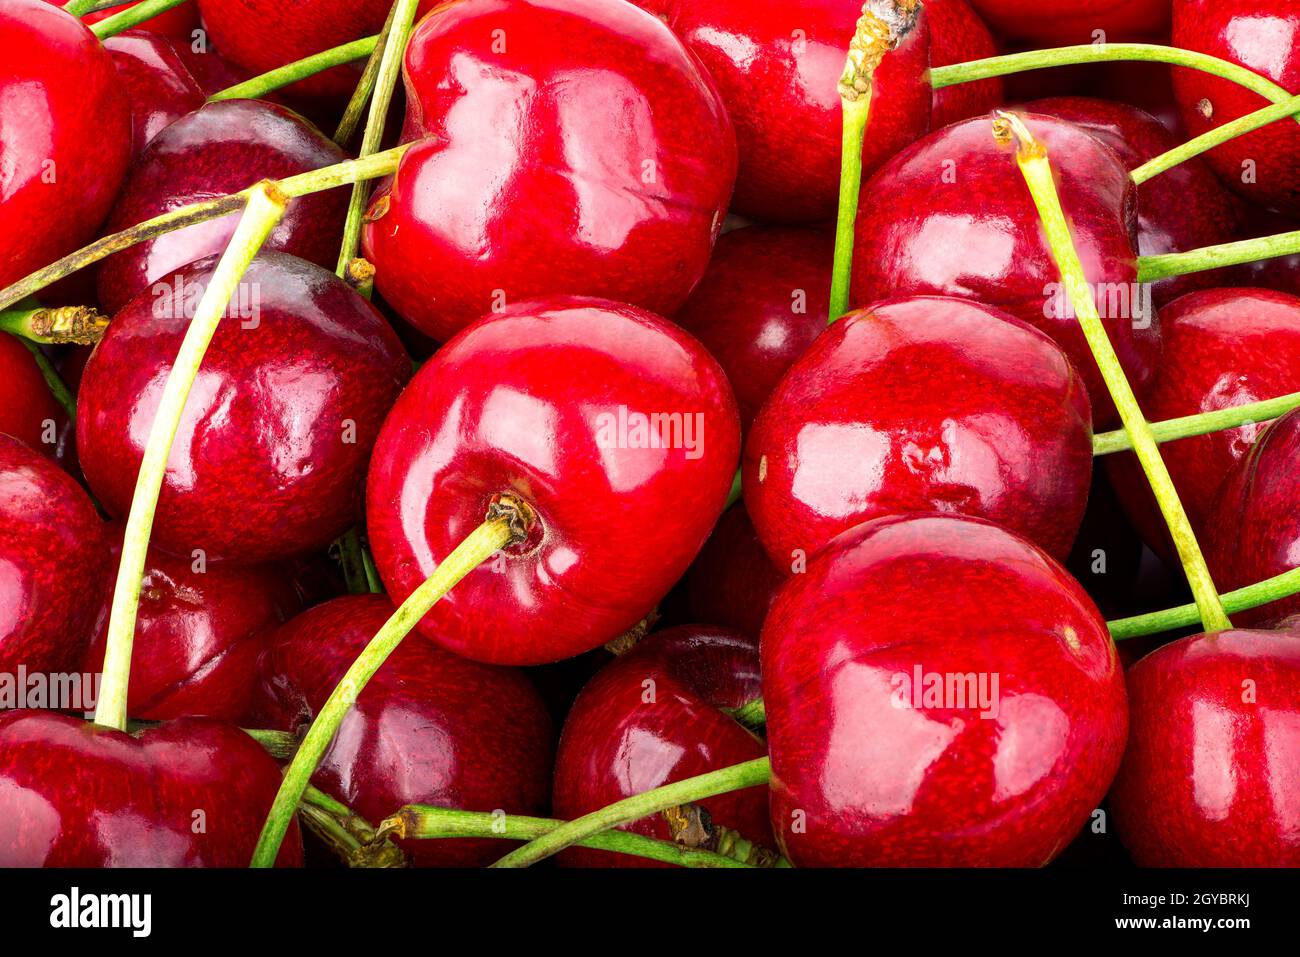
(957, 34)
(27, 410)
(1061, 22)
(732, 582)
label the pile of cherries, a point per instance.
(601, 280)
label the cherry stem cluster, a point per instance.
(351, 118)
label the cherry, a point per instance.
(179, 23)
(653, 716)
(1208, 779)
(65, 135)
(957, 34)
(54, 563)
(777, 66)
(761, 303)
(1260, 35)
(275, 438)
(614, 428)
(518, 185)
(1062, 22)
(221, 148)
(732, 582)
(27, 410)
(429, 728)
(858, 429)
(189, 793)
(870, 766)
(947, 216)
(1279, 272)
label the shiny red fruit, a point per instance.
(429, 728)
(891, 745)
(179, 23)
(1209, 776)
(559, 147)
(957, 34)
(616, 428)
(272, 448)
(1061, 22)
(27, 409)
(926, 404)
(732, 582)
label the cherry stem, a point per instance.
(358, 566)
(297, 70)
(506, 523)
(734, 495)
(1151, 268)
(278, 744)
(300, 184)
(390, 66)
(58, 388)
(79, 8)
(351, 118)
(752, 714)
(132, 16)
(1221, 134)
(1242, 599)
(1036, 167)
(735, 778)
(1201, 424)
(55, 325)
(265, 208)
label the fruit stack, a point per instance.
(723, 433)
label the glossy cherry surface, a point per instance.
(27, 410)
(925, 404)
(732, 582)
(1264, 36)
(761, 303)
(551, 402)
(272, 448)
(189, 793)
(65, 136)
(601, 166)
(869, 767)
(54, 563)
(1208, 779)
(1061, 22)
(653, 716)
(950, 215)
(222, 148)
(178, 23)
(957, 34)
(429, 728)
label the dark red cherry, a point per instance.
(221, 148)
(615, 427)
(272, 448)
(762, 302)
(1213, 756)
(179, 23)
(66, 136)
(429, 728)
(189, 793)
(1279, 272)
(654, 716)
(560, 147)
(732, 581)
(1262, 166)
(930, 404)
(891, 745)
(957, 34)
(777, 65)
(1061, 22)
(54, 563)
(27, 410)
(949, 216)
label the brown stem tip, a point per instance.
(882, 26)
(69, 325)
(1009, 128)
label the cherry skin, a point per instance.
(1280, 272)
(957, 34)
(273, 445)
(65, 136)
(886, 774)
(760, 305)
(429, 728)
(518, 185)
(1208, 779)
(654, 716)
(732, 582)
(222, 148)
(179, 23)
(73, 794)
(1260, 35)
(1062, 22)
(777, 66)
(27, 410)
(950, 215)
(919, 405)
(54, 563)
(551, 402)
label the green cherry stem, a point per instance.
(508, 520)
(1106, 443)
(53, 381)
(130, 17)
(748, 774)
(54, 325)
(265, 208)
(1032, 159)
(297, 70)
(1242, 599)
(351, 118)
(1151, 268)
(752, 714)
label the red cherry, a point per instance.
(1279, 272)
(551, 403)
(777, 66)
(429, 728)
(652, 717)
(732, 581)
(560, 146)
(1260, 35)
(918, 405)
(869, 770)
(1061, 22)
(1209, 776)
(948, 216)
(221, 148)
(74, 794)
(273, 446)
(27, 410)
(179, 23)
(54, 563)
(66, 136)
(957, 34)
(762, 302)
